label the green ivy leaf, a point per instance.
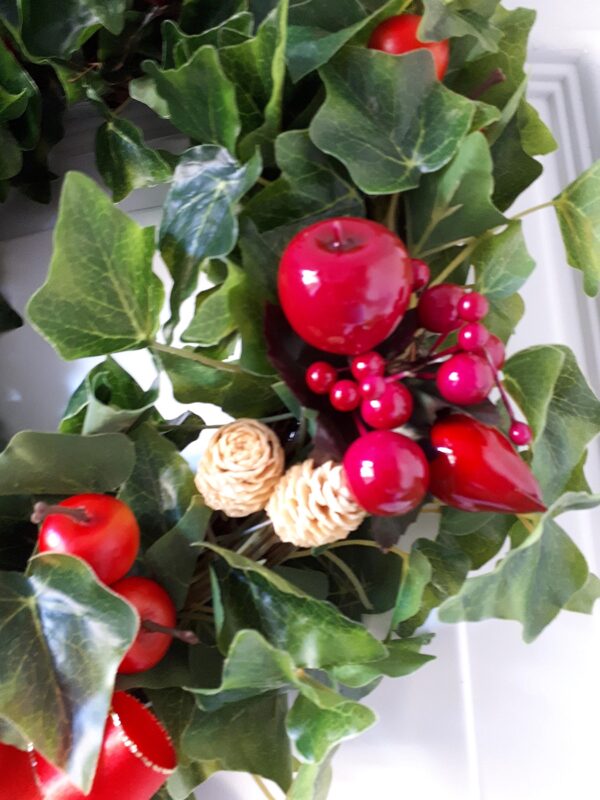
(9, 319)
(55, 463)
(124, 161)
(145, 91)
(478, 535)
(55, 28)
(456, 202)
(16, 87)
(415, 577)
(199, 219)
(383, 117)
(108, 400)
(179, 47)
(443, 20)
(562, 410)
(502, 263)
(101, 295)
(578, 211)
(172, 558)
(514, 169)
(404, 658)
(214, 320)
(160, 488)
(313, 632)
(199, 97)
(62, 635)
(504, 315)
(584, 600)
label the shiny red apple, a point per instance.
(344, 284)
(399, 34)
(477, 469)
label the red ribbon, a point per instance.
(136, 759)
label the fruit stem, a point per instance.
(189, 637)
(392, 213)
(362, 430)
(495, 77)
(191, 355)
(503, 394)
(42, 510)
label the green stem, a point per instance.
(354, 543)
(455, 263)
(191, 355)
(261, 785)
(465, 240)
(531, 210)
(392, 213)
(356, 585)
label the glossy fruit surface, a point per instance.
(496, 350)
(398, 35)
(108, 541)
(520, 433)
(438, 308)
(344, 396)
(392, 409)
(387, 473)
(372, 387)
(421, 274)
(473, 307)
(477, 469)
(154, 604)
(344, 284)
(320, 377)
(465, 379)
(473, 336)
(367, 364)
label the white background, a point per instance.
(491, 718)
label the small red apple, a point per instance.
(398, 35)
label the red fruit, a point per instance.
(344, 396)
(494, 347)
(109, 540)
(344, 284)
(473, 307)
(398, 35)
(520, 433)
(387, 473)
(477, 469)
(438, 308)
(465, 379)
(421, 274)
(367, 364)
(473, 336)
(320, 377)
(372, 387)
(152, 603)
(392, 409)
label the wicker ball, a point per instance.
(240, 468)
(312, 506)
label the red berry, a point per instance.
(438, 308)
(520, 433)
(473, 307)
(473, 336)
(477, 469)
(398, 35)
(368, 364)
(387, 473)
(320, 377)
(421, 274)
(109, 540)
(152, 603)
(494, 347)
(372, 387)
(392, 409)
(344, 284)
(465, 379)
(344, 396)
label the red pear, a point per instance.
(477, 469)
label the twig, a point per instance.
(262, 786)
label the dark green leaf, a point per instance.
(478, 535)
(514, 169)
(101, 295)
(578, 210)
(179, 47)
(213, 320)
(172, 557)
(456, 202)
(404, 658)
(11, 159)
(415, 577)
(107, 401)
(388, 118)
(502, 263)
(160, 488)
(54, 463)
(62, 636)
(560, 407)
(124, 161)
(443, 20)
(17, 534)
(9, 319)
(16, 86)
(200, 98)
(199, 219)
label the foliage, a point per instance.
(290, 119)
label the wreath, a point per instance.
(343, 276)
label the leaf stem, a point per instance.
(354, 543)
(392, 213)
(189, 637)
(356, 585)
(262, 786)
(454, 264)
(191, 355)
(531, 210)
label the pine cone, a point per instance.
(312, 506)
(240, 468)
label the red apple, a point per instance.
(398, 35)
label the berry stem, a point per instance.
(42, 510)
(438, 343)
(189, 637)
(362, 430)
(503, 394)
(399, 376)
